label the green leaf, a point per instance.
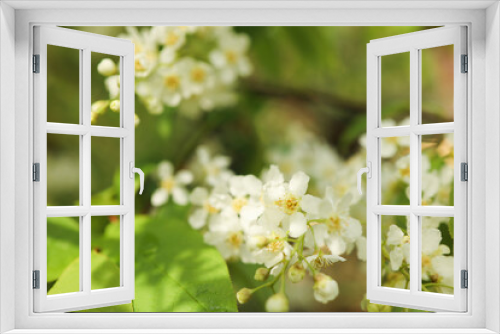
(62, 245)
(175, 270)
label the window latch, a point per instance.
(368, 171)
(133, 170)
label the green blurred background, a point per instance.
(315, 76)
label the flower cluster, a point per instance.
(437, 262)
(193, 69)
(267, 221)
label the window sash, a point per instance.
(413, 43)
(86, 298)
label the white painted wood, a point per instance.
(471, 322)
(77, 129)
(413, 43)
(492, 163)
(7, 167)
(86, 43)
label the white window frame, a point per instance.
(85, 43)
(483, 21)
(413, 44)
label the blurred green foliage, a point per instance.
(313, 75)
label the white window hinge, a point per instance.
(36, 172)
(36, 63)
(464, 279)
(464, 171)
(36, 279)
(465, 64)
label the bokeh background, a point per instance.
(301, 105)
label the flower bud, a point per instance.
(115, 106)
(325, 288)
(106, 67)
(244, 295)
(372, 308)
(99, 107)
(296, 272)
(277, 303)
(261, 274)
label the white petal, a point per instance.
(406, 252)
(198, 218)
(237, 186)
(199, 196)
(353, 230)
(310, 204)
(336, 245)
(273, 216)
(430, 240)
(396, 257)
(253, 185)
(180, 195)
(184, 177)
(276, 269)
(165, 169)
(443, 265)
(394, 235)
(298, 224)
(251, 212)
(361, 247)
(159, 197)
(273, 175)
(275, 192)
(388, 150)
(298, 183)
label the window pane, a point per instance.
(437, 84)
(395, 252)
(63, 269)
(63, 170)
(105, 257)
(395, 170)
(63, 85)
(105, 91)
(105, 160)
(437, 255)
(437, 169)
(395, 81)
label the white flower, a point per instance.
(325, 288)
(245, 197)
(268, 243)
(341, 231)
(106, 67)
(165, 85)
(436, 266)
(287, 197)
(171, 185)
(171, 37)
(401, 247)
(209, 206)
(146, 52)
(231, 57)
(198, 77)
(226, 235)
(322, 261)
(215, 168)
